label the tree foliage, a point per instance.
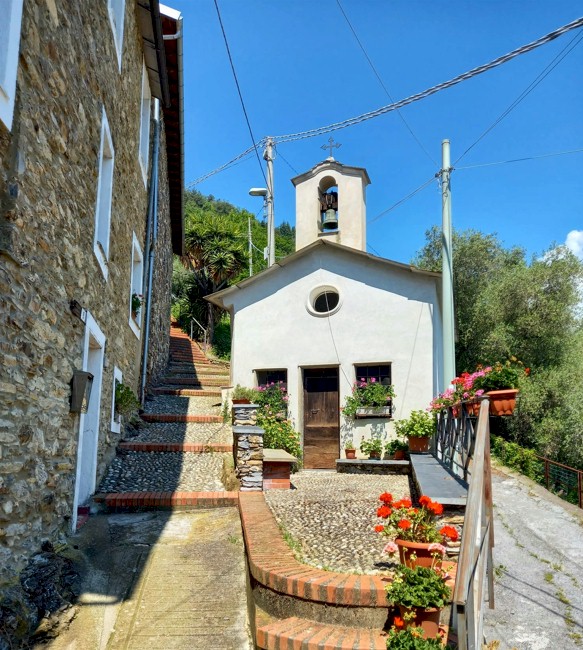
(506, 305)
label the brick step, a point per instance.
(186, 392)
(303, 634)
(193, 381)
(180, 417)
(203, 370)
(186, 447)
(175, 500)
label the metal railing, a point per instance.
(475, 565)
(562, 480)
(202, 329)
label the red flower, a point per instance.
(406, 503)
(449, 531)
(398, 622)
(527, 371)
(384, 512)
(404, 524)
(435, 508)
(379, 528)
(424, 500)
(386, 498)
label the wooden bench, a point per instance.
(277, 465)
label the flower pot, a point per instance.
(428, 619)
(399, 455)
(424, 557)
(502, 402)
(373, 412)
(374, 455)
(350, 453)
(243, 400)
(418, 445)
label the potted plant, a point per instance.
(421, 594)
(396, 449)
(370, 398)
(417, 428)
(372, 447)
(414, 531)
(126, 401)
(349, 450)
(136, 305)
(500, 382)
(400, 637)
(242, 395)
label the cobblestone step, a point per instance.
(128, 501)
(186, 447)
(206, 382)
(181, 417)
(186, 392)
(199, 369)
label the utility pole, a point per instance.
(268, 156)
(448, 324)
(250, 242)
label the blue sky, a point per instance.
(300, 67)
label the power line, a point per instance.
(544, 73)
(239, 90)
(406, 198)
(287, 163)
(515, 160)
(387, 93)
(412, 98)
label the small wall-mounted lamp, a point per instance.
(81, 385)
(78, 311)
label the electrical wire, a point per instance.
(239, 89)
(387, 93)
(515, 160)
(294, 170)
(406, 198)
(537, 80)
(547, 38)
(235, 161)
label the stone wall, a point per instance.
(67, 71)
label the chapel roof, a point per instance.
(332, 164)
(217, 297)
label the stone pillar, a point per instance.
(249, 457)
(245, 414)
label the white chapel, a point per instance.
(331, 313)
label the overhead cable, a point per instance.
(239, 91)
(515, 160)
(387, 93)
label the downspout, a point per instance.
(151, 237)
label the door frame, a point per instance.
(87, 447)
(301, 401)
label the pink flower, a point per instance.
(372, 381)
(437, 548)
(391, 548)
(479, 392)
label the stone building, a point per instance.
(91, 211)
(331, 314)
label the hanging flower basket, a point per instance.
(502, 402)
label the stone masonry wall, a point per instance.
(68, 70)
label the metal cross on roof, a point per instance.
(331, 145)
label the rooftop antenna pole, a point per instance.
(268, 156)
(448, 323)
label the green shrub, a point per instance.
(222, 339)
(279, 434)
(411, 638)
(419, 424)
(516, 457)
(125, 399)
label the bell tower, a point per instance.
(331, 205)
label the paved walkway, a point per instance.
(161, 581)
(538, 562)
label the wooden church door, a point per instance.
(321, 418)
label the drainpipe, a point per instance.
(151, 237)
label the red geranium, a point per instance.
(450, 532)
(384, 512)
(413, 524)
(386, 498)
(404, 524)
(398, 622)
(379, 528)
(424, 500)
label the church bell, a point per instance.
(329, 209)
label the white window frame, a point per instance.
(116, 10)
(104, 197)
(136, 284)
(115, 425)
(145, 107)
(9, 49)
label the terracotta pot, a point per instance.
(374, 455)
(473, 408)
(241, 401)
(420, 549)
(418, 445)
(350, 453)
(502, 402)
(428, 619)
(399, 455)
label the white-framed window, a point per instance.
(9, 48)
(136, 287)
(116, 10)
(115, 425)
(144, 150)
(104, 193)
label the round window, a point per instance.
(326, 302)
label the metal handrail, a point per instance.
(202, 329)
(475, 559)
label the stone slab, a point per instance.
(435, 481)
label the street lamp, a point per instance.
(264, 192)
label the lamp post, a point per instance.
(261, 191)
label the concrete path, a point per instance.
(538, 562)
(161, 581)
